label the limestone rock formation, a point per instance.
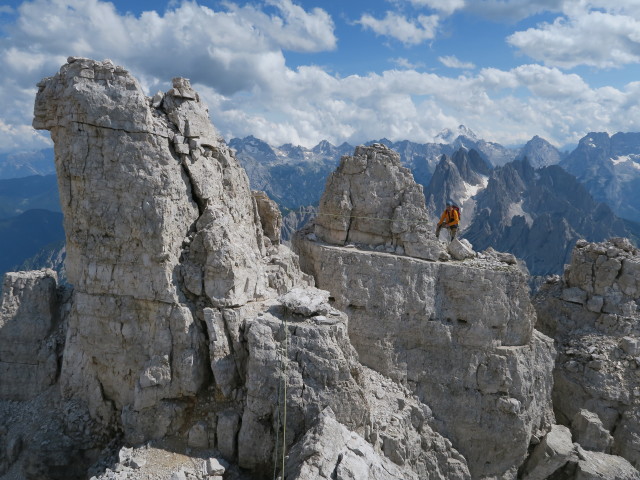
(372, 199)
(188, 325)
(460, 334)
(157, 213)
(29, 319)
(270, 216)
(556, 456)
(591, 311)
(196, 348)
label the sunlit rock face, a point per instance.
(189, 321)
(372, 199)
(460, 334)
(159, 219)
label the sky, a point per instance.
(302, 71)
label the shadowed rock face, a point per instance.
(28, 316)
(592, 312)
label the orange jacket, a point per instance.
(449, 219)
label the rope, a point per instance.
(371, 218)
(282, 420)
(284, 423)
(278, 423)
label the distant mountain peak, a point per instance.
(449, 135)
(540, 153)
(323, 147)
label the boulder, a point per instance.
(460, 249)
(598, 466)
(589, 432)
(554, 451)
(371, 199)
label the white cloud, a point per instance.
(405, 63)
(514, 10)
(408, 31)
(22, 137)
(452, 62)
(235, 60)
(405, 104)
(230, 49)
(294, 29)
(586, 37)
(447, 7)
(239, 49)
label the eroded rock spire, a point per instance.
(160, 223)
(372, 199)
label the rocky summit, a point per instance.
(192, 344)
(372, 199)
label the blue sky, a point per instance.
(300, 71)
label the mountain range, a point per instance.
(294, 176)
(532, 208)
(25, 164)
(535, 214)
(609, 167)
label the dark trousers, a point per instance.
(452, 231)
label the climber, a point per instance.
(450, 219)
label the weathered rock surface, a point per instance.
(554, 451)
(597, 465)
(372, 199)
(29, 335)
(592, 314)
(270, 216)
(460, 249)
(157, 214)
(557, 457)
(189, 325)
(329, 450)
(460, 334)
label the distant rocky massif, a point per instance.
(190, 343)
(514, 200)
(608, 166)
(457, 166)
(535, 214)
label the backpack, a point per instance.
(457, 209)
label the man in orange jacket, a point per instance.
(449, 219)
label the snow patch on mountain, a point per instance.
(449, 135)
(627, 159)
(590, 143)
(471, 191)
(515, 209)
